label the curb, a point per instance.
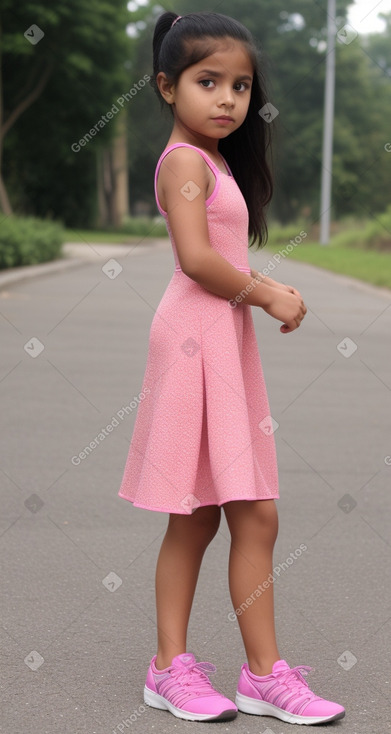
(12, 276)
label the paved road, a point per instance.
(78, 583)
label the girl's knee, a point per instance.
(246, 517)
(266, 511)
(262, 510)
(202, 524)
(208, 520)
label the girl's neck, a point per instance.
(183, 135)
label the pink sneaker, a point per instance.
(284, 694)
(184, 689)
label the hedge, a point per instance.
(28, 240)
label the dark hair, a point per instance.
(191, 39)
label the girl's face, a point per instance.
(219, 85)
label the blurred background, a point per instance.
(81, 129)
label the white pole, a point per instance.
(327, 155)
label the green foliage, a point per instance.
(374, 234)
(28, 240)
(91, 62)
(281, 235)
(85, 51)
(144, 226)
(293, 53)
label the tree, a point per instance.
(54, 88)
(54, 92)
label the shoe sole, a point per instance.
(261, 708)
(158, 702)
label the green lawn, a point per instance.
(87, 236)
(368, 265)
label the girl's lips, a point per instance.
(223, 120)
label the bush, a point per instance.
(144, 226)
(282, 234)
(374, 234)
(378, 231)
(350, 238)
(28, 240)
(365, 234)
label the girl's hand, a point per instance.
(287, 307)
(288, 288)
(273, 283)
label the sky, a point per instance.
(362, 15)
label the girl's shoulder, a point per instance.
(184, 159)
(186, 167)
(187, 153)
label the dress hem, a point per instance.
(206, 504)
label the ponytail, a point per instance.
(163, 25)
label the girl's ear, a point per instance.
(166, 89)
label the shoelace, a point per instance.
(195, 675)
(294, 677)
(296, 683)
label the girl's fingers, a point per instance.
(286, 328)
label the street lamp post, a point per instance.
(327, 154)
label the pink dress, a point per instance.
(203, 433)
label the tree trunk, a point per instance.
(112, 178)
(5, 204)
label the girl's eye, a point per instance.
(241, 84)
(238, 87)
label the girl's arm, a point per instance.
(184, 180)
(182, 172)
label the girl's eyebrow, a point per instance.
(219, 74)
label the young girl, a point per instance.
(203, 436)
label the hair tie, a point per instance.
(175, 20)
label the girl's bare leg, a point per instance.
(178, 565)
(253, 526)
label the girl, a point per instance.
(203, 436)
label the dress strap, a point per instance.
(226, 165)
(206, 158)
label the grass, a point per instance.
(102, 237)
(133, 229)
(359, 248)
(367, 265)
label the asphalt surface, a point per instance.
(78, 615)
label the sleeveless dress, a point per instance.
(203, 434)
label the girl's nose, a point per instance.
(227, 97)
